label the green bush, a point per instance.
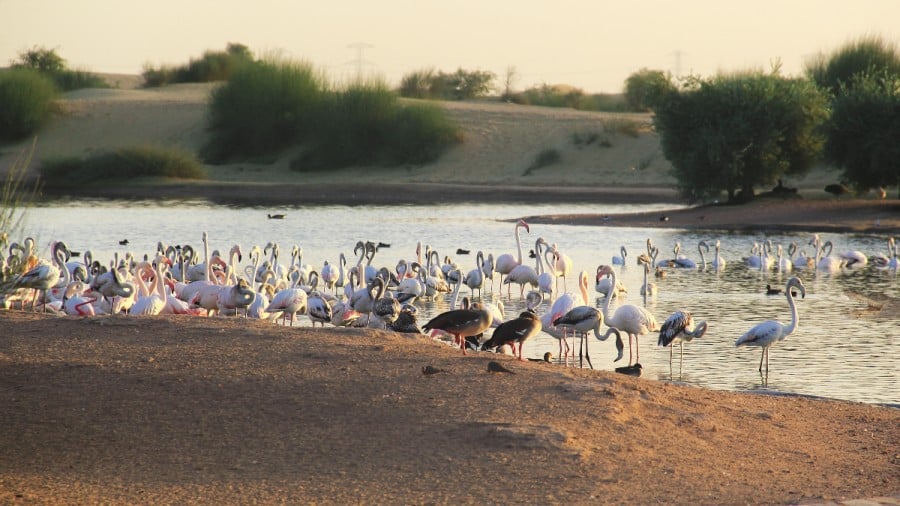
(125, 163)
(212, 66)
(459, 85)
(265, 106)
(52, 65)
(26, 100)
(365, 124)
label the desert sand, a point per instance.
(173, 410)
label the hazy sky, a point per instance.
(591, 44)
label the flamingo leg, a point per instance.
(761, 356)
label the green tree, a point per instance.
(41, 59)
(865, 56)
(646, 88)
(864, 130)
(734, 132)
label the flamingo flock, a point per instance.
(180, 280)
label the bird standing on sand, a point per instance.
(678, 329)
(461, 323)
(515, 331)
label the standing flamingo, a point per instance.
(44, 275)
(583, 319)
(505, 263)
(769, 332)
(678, 329)
(718, 262)
(629, 318)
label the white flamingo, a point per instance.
(506, 262)
(44, 275)
(522, 275)
(620, 259)
(545, 279)
(783, 263)
(718, 262)
(769, 332)
(288, 302)
(475, 278)
(629, 318)
(318, 309)
(824, 261)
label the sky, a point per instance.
(590, 44)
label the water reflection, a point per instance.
(837, 351)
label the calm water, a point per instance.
(832, 354)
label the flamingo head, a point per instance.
(603, 270)
(524, 225)
(798, 284)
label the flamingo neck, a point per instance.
(518, 244)
(795, 314)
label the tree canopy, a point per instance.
(737, 131)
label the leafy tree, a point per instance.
(864, 129)
(734, 132)
(646, 88)
(868, 55)
(40, 59)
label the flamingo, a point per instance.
(680, 261)
(288, 301)
(769, 332)
(461, 323)
(648, 289)
(318, 309)
(154, 301)
(604, 284)
(633, 320)
(561, 265)
(505, 263)
(854, 259)
(783, 264)
(515, 331)
(888, 261)
(584, 319)
(234, 297)
(678, 329)
(475, 278)
(522, 275)
(824, 260)
(386, 309)
(487, 268)
(562, 305)
(718, 262)
(44, 275)
(545, 279)
(620, 260)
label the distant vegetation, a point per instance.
(438, 85)
(48, 63)
(567, 96)
(212, 66)
(272, 105)
(26, 101)
(125, 163)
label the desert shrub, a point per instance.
(543, 159)
(459, 85)
(419, 134)
(265, 106)
(212, 66)
(49, 63)
(125, 163)
(26, 101)
(566, 96)
(646, 88)
(365, 124)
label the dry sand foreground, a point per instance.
(190, 410)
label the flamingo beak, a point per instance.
(620, 347)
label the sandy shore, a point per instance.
(190, 410)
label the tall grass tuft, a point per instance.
(26, 101)
(567, 96)
(265, 106)
(125, 163)
(16, 196)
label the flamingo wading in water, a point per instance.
(769, 332)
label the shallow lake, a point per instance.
(834, 353)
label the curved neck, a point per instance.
(795, 315)
(610, 294)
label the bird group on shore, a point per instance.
(179, 280)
